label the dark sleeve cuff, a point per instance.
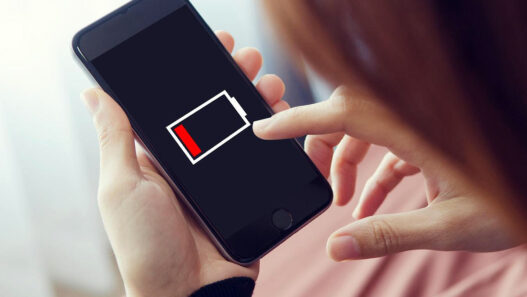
(231, 287)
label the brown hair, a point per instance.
(456, 71)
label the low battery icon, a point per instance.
(209, 126)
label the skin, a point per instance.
(340, 131)
(161, 251)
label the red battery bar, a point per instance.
(189, 143)
(209, 126)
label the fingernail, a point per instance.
(261, 124)
(344, 247)
(91, 100)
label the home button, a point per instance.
(282, 219)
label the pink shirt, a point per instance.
(300, 266)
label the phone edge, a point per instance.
(202, 223)
(217, 242)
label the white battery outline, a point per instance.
(239, 109)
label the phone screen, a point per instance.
(194, 109)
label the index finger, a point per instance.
(325, 117)
(318, 118)
(352, 112)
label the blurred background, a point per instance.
(51, 238)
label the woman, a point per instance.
(441, 84)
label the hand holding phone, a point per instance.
(191, 108)
(160, 249)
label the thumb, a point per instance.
(453, 224)
(116, 138)
(381, 235)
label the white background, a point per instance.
(51, 236)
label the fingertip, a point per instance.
(226, 39)
(273, 85)
(87, 91)
(342, 190)
(250, 60)
(329, 249)
(90, 99)
(348, 153)
(339, 201)
(256, 53)
(259, 128)
(277, 79)
(319, 148)
(280, 106)
(110, 111)
(342, 247)
(337, 197)
(291, 123)
(272, 89)
(116, 138)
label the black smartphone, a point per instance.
(191, 107)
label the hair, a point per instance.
(455, 71)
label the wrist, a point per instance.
(231, 287)
(170, 289)
(182, 282)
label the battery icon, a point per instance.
(209, 126)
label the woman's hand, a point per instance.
(159, 248)
(350, 120)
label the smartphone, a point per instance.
(192, 108)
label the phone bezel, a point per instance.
(140, 6)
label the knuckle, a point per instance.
(343, 102)
(104, 136)
(108, 135)
(341, 91)
(315, 143)
(385, 237)
(397, 174)
(343, 166)
(293, 114)
(298, 112)
(339, 101)
(380, 186)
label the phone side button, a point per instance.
(282, 219)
